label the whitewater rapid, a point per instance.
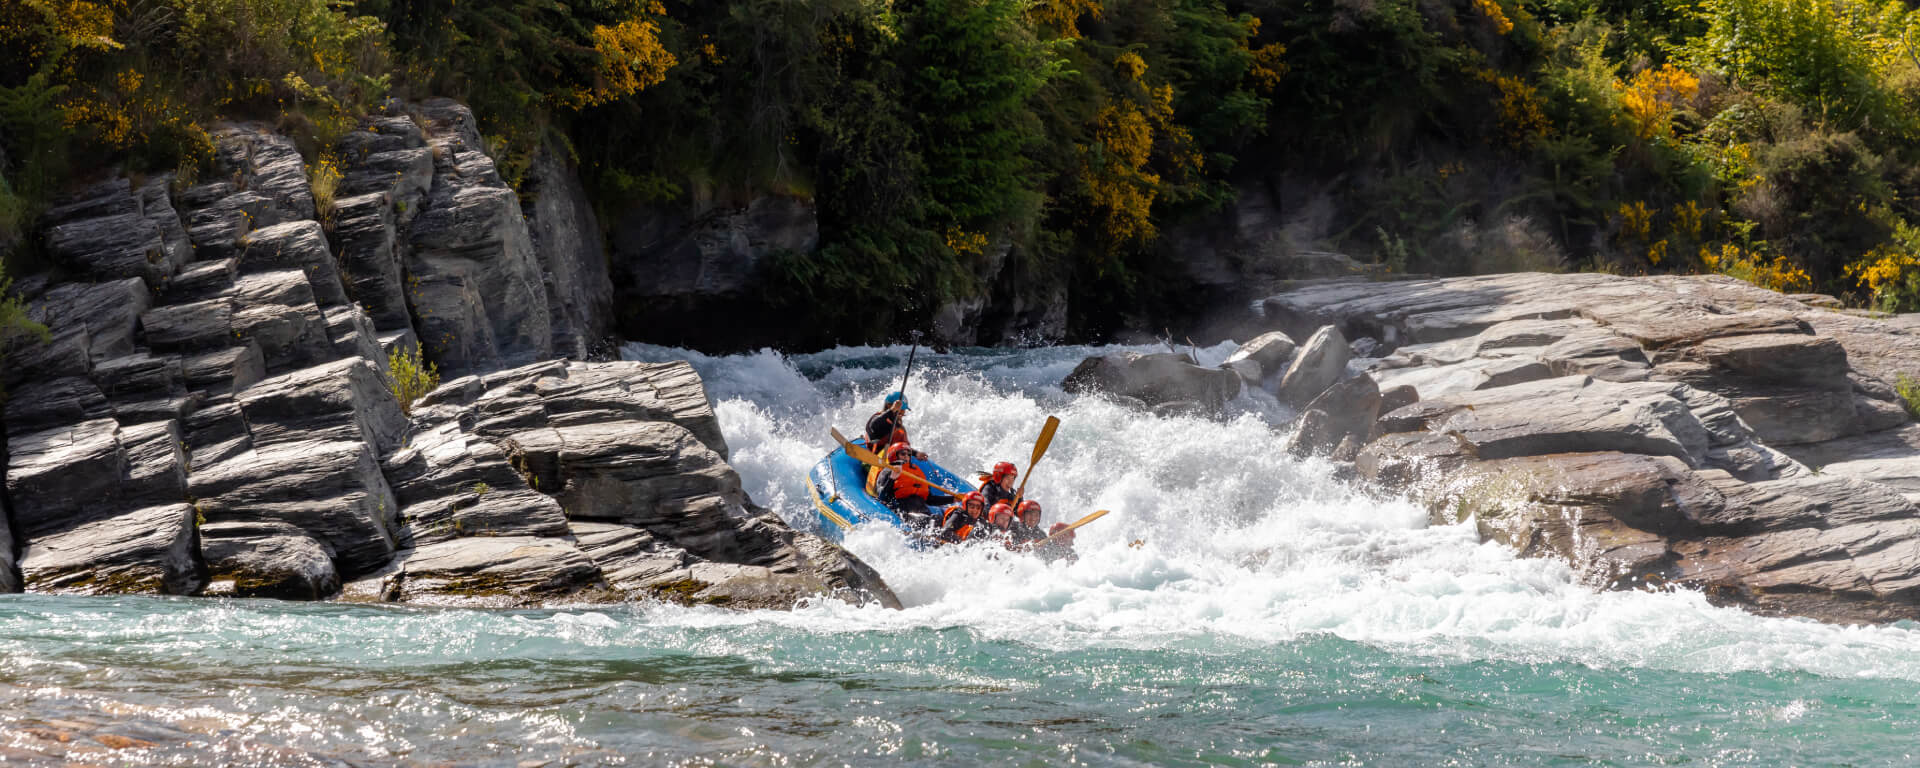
(1268, 615)
(1235, 538)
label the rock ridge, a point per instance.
(1653, 432)
(212, 414)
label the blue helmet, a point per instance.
(897, 398)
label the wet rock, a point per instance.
(510, 569)
(1154, 379)
(267, 559)
(1344, 411)
(1266, 353)
(1321, 362)
(147, 550)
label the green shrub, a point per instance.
(409, 377)
(1909, 389)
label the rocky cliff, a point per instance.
(1652, 431)
(213, 413)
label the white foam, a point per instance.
(1239, 541)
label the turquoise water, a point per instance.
(1238, 607)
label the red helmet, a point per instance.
(898, 452)
(1032, 507)
(974, 503)
(899, 435)
(1005, 469)
(1001, 516)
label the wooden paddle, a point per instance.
(868, 458)
(1039, 449)
(1077, 523)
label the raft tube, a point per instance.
(838, 487)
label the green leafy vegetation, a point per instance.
(1909, 389)
(409, 377)
(1075, 142)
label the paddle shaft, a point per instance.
(1077, 523)
(868, 458)
(909, 371)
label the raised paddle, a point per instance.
(1077, 523)
(868, 458)
(1039, 449)
(909, 371)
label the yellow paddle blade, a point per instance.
(1039, 449)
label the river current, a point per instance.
(1238, 607)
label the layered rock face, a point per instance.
(213, 413)
(1659, 430)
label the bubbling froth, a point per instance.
(1216, 533)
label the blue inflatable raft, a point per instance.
(838, 486)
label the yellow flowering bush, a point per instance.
(1777, 274)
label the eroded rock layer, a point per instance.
(1695, 431)
(213, 414)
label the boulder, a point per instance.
(1155, 379)
(1321, 362)
(1266, 353)
(1346, 410)
(267, 559)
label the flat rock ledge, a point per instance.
(212, 413)
(1653, 432)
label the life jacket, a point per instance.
(909, 483)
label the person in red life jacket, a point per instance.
(903, 487)
(998, 522)
(888, 426)
(1026, 526)
(997, 485)
(1057, 548)
(961, 518)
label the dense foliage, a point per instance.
(1769, 139)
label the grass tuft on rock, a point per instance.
(410, 377)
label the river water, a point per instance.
(1237, 607)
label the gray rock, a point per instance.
(267, 559)
(567, 241)
(1321, 362)
(226, 371)
(1346, 410)
(9, 574)
(147, 550)
(331, 490)
(203, 280)
(48, 403)
(156, 205)
(60, 476)
(195, 327)
(506, 570)
(276, 311)
(295, 245)
(1564, 415)
(108, 312)
(1155, 379)
(268, 164)
(343, 400)
(124, 245)
(1266, 353)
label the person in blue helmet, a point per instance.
(889, 425)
